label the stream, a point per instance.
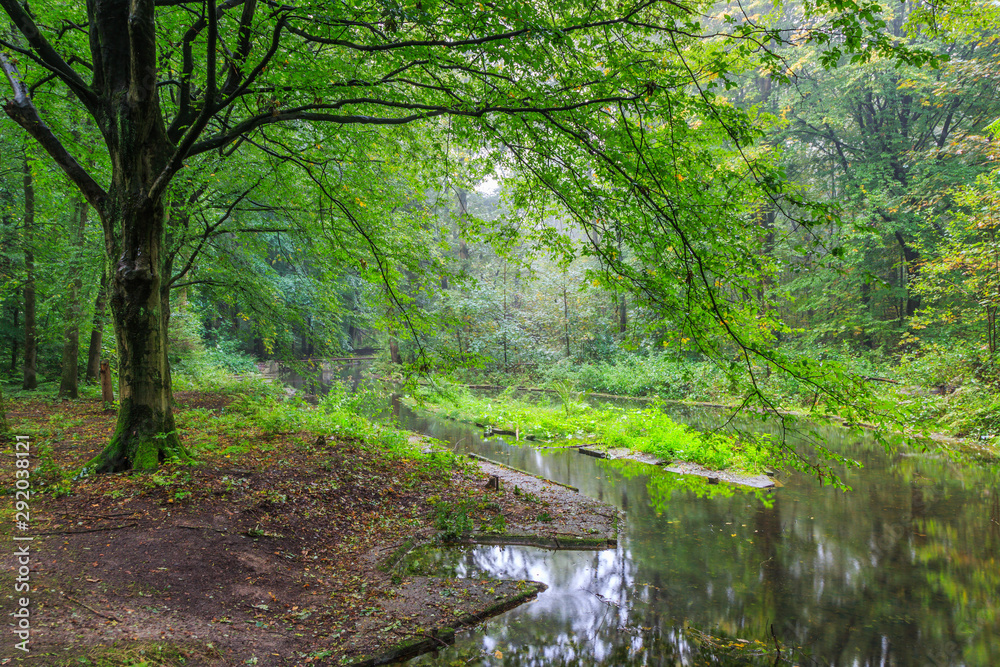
(903, 569)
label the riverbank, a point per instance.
(506, 415)
(647, 435)
(282, 546)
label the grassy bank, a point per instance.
(266, 550)
(647, 430)
(942, 389)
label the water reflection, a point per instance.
(902, 570)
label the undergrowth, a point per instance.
(647, 430)
(141, 654)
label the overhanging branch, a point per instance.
(48, 57)
(319, 113)
(23, 112)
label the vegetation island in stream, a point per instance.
(571, 422)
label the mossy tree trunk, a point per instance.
(14, 338)
(133, 218)
(124, 102)
(145, 434)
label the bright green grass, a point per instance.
(642, 430)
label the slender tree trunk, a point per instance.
(910, 263)
(69, 382)
(30, 379)
(566, 320)
(767, 224)
(4, 424)
(14, 341)
(505, 362)
(622, 315)
(310, 346)
(107, 390)
(97, 331)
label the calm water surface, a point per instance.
(902, 570)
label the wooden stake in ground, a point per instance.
(107, 391)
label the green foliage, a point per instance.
(220, 366)
(339, 415)
(962, 282)
(658, 183)
(937, 364)
(894, 147)
(648, 375)
(497, 525)
(647, 430)
(567, 398)
(366, 400)
(452, 519)
(47, 474)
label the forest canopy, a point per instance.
(303, 173)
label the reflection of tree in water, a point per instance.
(625, 646)
(594, 612)
(902, 570)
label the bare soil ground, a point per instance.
(273, 556)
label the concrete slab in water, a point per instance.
(755, 481)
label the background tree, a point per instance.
(889, 144)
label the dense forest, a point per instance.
(678, 316)
(780, 205)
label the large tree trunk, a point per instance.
(30, 379)
(97, 331)
(69, 382)
(133, 219)
(145, 434)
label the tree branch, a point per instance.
(259, 68)
(239, 58)
(48, 56)
(208, 108)
(425, 111)
(209, 233)
(185, 113)
(23, 112)
(476, 41)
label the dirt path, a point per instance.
(279, 556)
